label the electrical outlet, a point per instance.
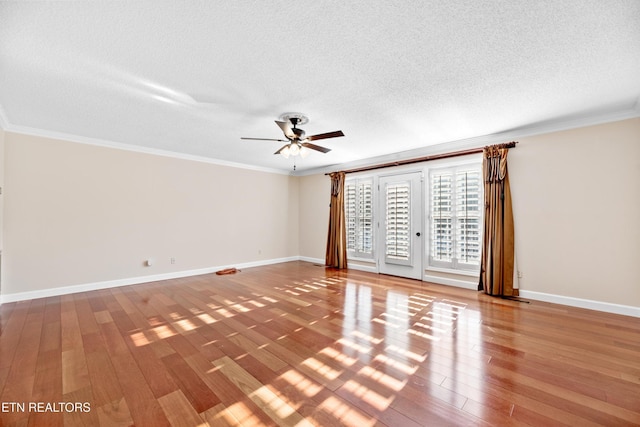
(519, 274)
(172, 260)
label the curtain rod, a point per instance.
(511, 144)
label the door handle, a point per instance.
(418, 234)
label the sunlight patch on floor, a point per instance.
(436, 318)
(241, 308)
(326, 371)
(382, 378)
(372, 340)
(206, 318)
(357, 347)
(244, 416)
(385, 323)
(185, 325)
(256, 303)
(346, 414)
(139, 339)
(405, 353)
(391, 318)
(277, 406)
(369, 396)
(338, 356)
(303, 384)
(423, 335)
(224, 312)
(430, 328)
(396, 364)
(163, 331)
(424, 299)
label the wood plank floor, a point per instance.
(296, 344)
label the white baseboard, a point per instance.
(537, 296)
(65, 290)
(625, 310)
(361, 267)
(606, 307)
(350, 266)
(451, 282)
(311, 260)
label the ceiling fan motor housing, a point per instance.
(299, 132)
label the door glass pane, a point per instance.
(398, 227)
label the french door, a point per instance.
(400, 245)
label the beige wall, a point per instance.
(576, 201)
(79, 214)
(314, 215)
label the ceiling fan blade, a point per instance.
(316, 147)
(281, 148)
(325, 135)
(264, 139)
(286, 128)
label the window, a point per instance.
(455, 217)
(359, 217)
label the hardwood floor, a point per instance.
(298, 344)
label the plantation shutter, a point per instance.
(468, 217)
(359, 217)
(441, 215)
(398, 225)
(455, 217)
(350, 214)
(365, 218)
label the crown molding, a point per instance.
(549, 126)
(541, 128)
(134, 148)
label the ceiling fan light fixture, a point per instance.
(304, 152)
(285, 152)
(294, 149)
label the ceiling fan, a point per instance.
(297, 143)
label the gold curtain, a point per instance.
(497, 264)
(337, 237)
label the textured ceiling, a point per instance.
(192, 77)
